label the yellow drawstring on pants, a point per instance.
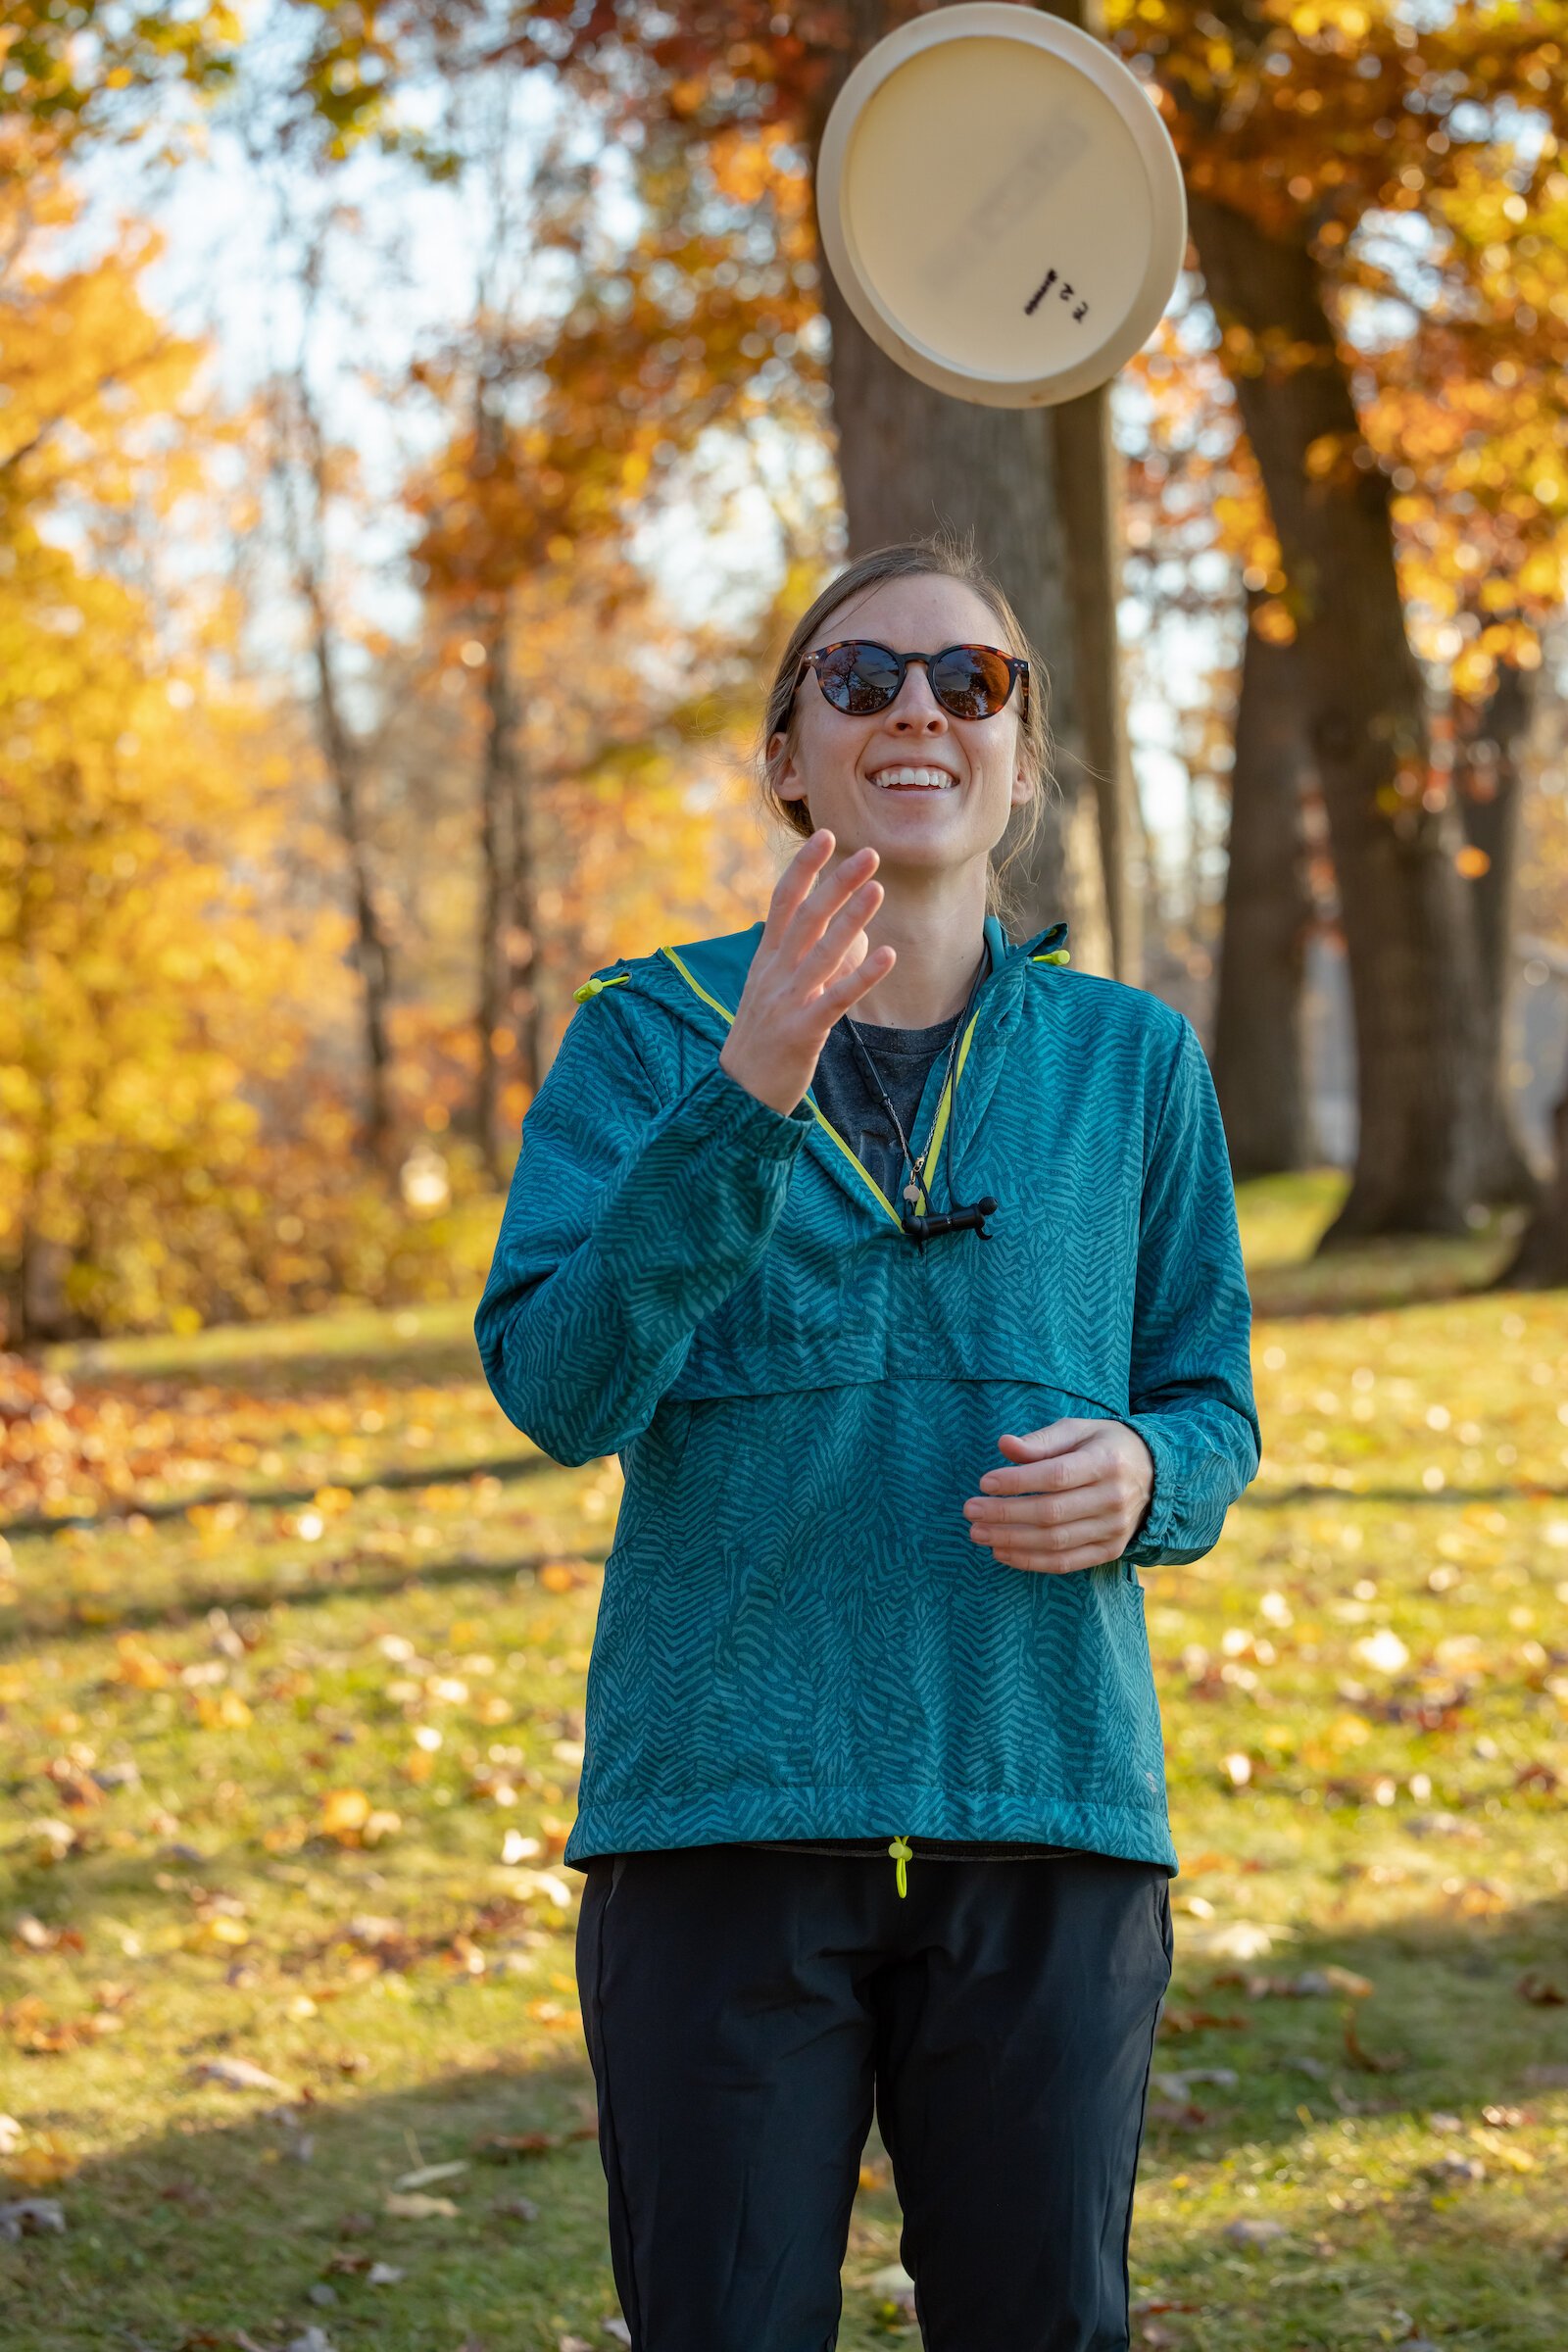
(900, 1852)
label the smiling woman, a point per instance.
(809, 1224)
(944, 581)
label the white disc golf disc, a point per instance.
(1000, 205)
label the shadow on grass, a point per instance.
(395, 1477)
(220, 2225)
(27, 1623)
(251, 2231)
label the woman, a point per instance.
(811, 1224)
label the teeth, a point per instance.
(914, 779)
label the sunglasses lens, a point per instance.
(859, 678)
(970, 681)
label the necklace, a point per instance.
(916, 1167)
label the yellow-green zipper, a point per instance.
(939, 1125)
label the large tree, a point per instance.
(1295, 128)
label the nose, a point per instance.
(915, 710)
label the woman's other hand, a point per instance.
(1071, 1496)
(811, 965)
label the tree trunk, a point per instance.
(912, 458)
(509, 1009)
(494, 795)
(524, 1001)
(340, 753)
(1490, 804)
(1409, 934)
(301, 440)
(1259, 1061)
(1542, 1262)
(1087, 474)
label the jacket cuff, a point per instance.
(1160, 1527)
(737, 1111)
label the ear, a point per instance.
(788, 782)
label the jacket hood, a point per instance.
(700, 981)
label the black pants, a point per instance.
(743, 2010)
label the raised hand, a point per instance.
(811, 964)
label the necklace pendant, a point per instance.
(912, 1194)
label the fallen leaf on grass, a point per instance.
(500, 2148)
(43, 2165)
(1247, 2232)
(413, 2206)
(428, 2173)
(1518, 2160)
(239, 2073)
(1202, 2021)
(1540, 1992)
(1178, 2086)
(1243, 1940)
(894, 2285)
(30, 2217)
(1371, 2062)
(516, 2208)
(1451, 2167)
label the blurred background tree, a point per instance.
(387, 606)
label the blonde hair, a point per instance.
(943, 556)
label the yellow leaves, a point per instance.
(220, 1932)
(222, 1711)
(344, 1813)
(41, 2161)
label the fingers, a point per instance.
(1057, 1474)
(795, 883)
(1098, 1549)
(810, 892)
(1057, 1437)
(821, 964)
(856, 982)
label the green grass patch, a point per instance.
(288, 1774)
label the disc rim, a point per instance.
(1003, 20)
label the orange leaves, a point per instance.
(137, 1666)
(348, 1817)
(562, 1576)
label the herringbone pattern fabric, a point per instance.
(797, 1635)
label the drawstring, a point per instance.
(901, 1850)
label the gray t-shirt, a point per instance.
(847, 1101)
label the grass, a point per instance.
(265, 1736)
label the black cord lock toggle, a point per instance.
(922, 1230)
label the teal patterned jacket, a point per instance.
(796, 1637)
